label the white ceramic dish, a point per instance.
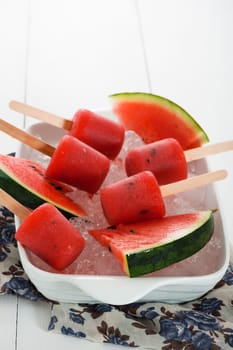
(121, 289)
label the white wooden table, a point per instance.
(62, 55)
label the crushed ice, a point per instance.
(97, 260)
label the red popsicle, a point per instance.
(139, 197)
(78, 165)
(49, 235)
(164, 158)
(103, 134)
(135, 198)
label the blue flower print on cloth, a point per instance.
(203, 324)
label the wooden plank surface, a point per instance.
(92, 49)
(13, 53)
(64, 55)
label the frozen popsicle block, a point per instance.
(164, 158)
(135, 198)
(103, 134)
(167, 160)
(49, 235)
(78, 165)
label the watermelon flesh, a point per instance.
(135, 198)
(103, 134)
(49, 235)
(144, 247)
(164, 158)
(154, 118)
(26, 181)
(78, 165)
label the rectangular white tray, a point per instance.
(121, 289)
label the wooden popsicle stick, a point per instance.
(192, 182)
(191, 154)
(26, 138)
(13, 205)
(204, 151)
(41, 115)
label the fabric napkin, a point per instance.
(203, 324)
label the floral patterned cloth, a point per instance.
(202, 324)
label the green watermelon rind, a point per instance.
(157, 257)
(27, 196)
(140, 250)
(169, 104)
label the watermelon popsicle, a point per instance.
(101, 133)
(72, 161)
(78, 164)
(136, 198)
(139, 197)
(167, 160)
(46, 232)
(164, 158)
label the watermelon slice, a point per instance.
(148, 246)
(154, 118)
(25, 180)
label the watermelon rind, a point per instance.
(30, 196)
(161, 256)
(149, 98)
(147, 257)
